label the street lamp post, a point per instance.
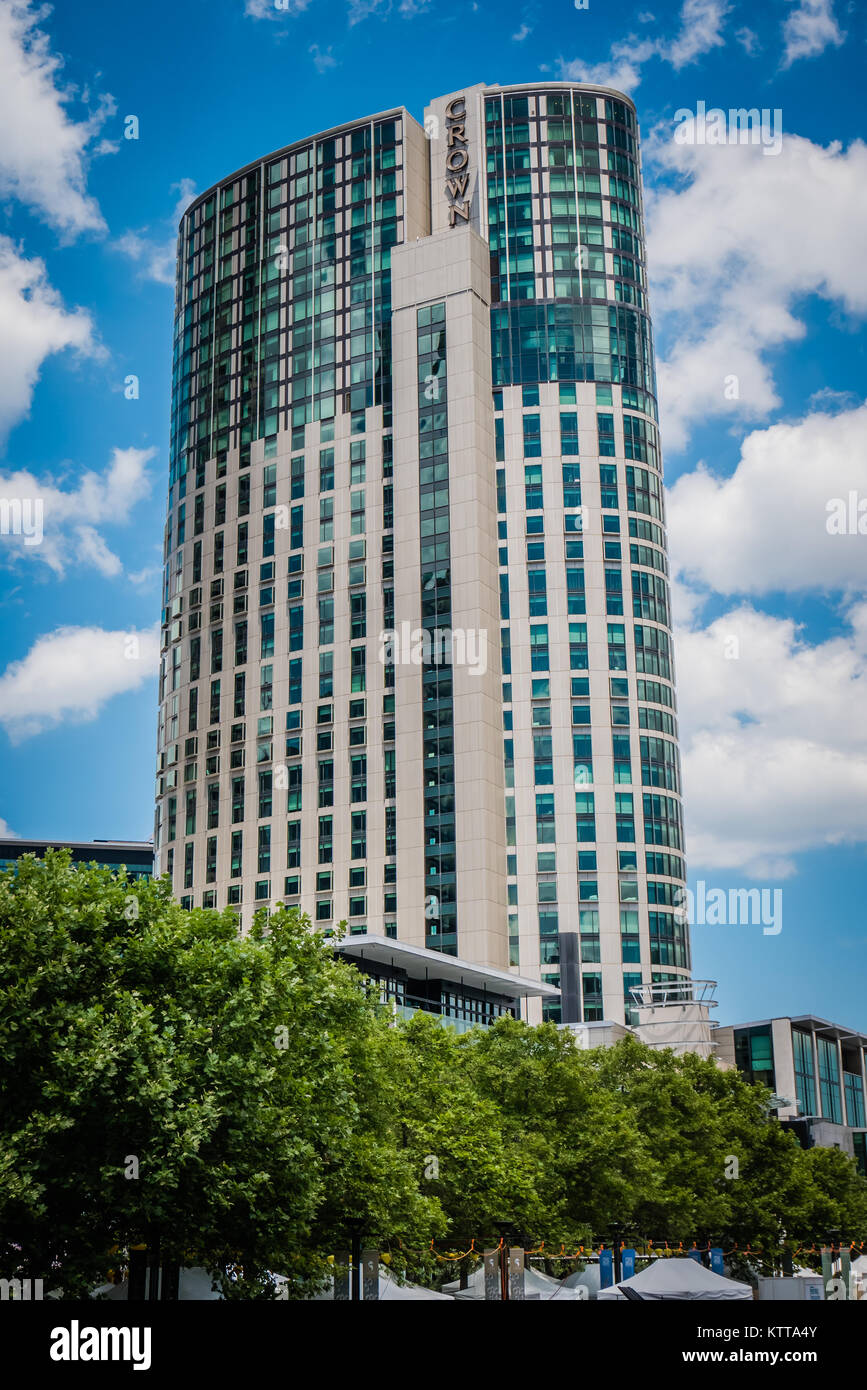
(355, 1226)
(616, 1233)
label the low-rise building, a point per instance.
(460, 993)
(816, 1072)
(136, 856)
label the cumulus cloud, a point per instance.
(622, 71)
(36, 324)
(809, 29)
(727, 275)
(71, 515)
(764, 528)
(700, 30)
(773, 739)
(6, 831)
(69, 675)
(701, 23)
(44, 151)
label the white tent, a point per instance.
(194, 1285)
(589, 1278)
(537, 1286)
(679, 1279)
(392, 1292)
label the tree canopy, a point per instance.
(245, 1100)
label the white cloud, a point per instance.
(809, 29)
(521, 34)
(145, 578)
(364, 9)
(155, 253)
(831, 400)
(622, 72)
(700, 30)
(764, 528)
(6, 831)
(748, 40)
(727, 273)
(322, 60)
(156, 259)
(92, 550)
(36, 324)
(71, 515)
(274, 9)
(774, 741)
(43, 154)
(68, 675)
(701, 23)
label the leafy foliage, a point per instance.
(247, 1102)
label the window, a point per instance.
(237, 846)
(569, 437)
(357, 675)
(533, 487)
(578, 656)
(326, 470)
(539, 647)
(532, 436)
(538, 596)
(630, 947)
(854, 1090)
(616, 647)
(326, 840)
(591, 989)
(605, 427)
(359, 834)
(585, 817)
(829, 1080)
(545, 834)
(293, 844)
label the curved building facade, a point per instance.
(417, 669)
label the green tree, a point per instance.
(165, 1079)
(590, 1158)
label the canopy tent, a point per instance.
(392, 1292)
(537, 1285)
(589, 1278)
(678, 1279)
(194, 1286)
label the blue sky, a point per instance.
(757, 273)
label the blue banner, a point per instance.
(606, 1268)
(627, 1263)
(694, 1255)
(716, 1259)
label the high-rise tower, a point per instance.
(417, 667)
